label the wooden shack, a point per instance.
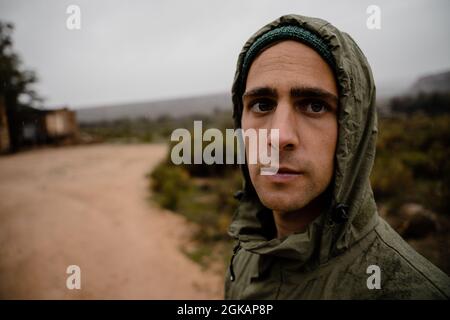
(60, 123)
(25, 126)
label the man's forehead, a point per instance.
(289, 64)
(288, 47)
(287, 51)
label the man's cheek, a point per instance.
(253, 170)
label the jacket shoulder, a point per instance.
(408, 274)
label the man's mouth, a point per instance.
(285, 174)
(288, 171)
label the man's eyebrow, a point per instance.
(260, 92)
(296, 92)
(314, 92)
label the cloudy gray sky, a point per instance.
(129, 51)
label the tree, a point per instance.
(15, 83)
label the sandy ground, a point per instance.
(87, 206)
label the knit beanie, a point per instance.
(287, 32)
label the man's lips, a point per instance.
(288, 171)
(284, 174)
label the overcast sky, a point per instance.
(129, 51)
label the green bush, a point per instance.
(170, 184)
(206, 201)
(391, 177)
(412, 161)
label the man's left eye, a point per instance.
(315, 107)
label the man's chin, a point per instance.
(282, 203)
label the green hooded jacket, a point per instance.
(334, 257)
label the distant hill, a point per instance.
(439, 82)
(153, 109)
(206, 104)
(428, 95)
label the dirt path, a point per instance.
(87, 206)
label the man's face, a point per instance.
(291, 88)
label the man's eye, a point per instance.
(316, 107)
(262, 106)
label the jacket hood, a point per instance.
(351, 213)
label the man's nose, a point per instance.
(284, 119)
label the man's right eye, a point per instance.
(262, 106)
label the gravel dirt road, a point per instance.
(88, 206)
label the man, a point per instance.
(312, 231)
